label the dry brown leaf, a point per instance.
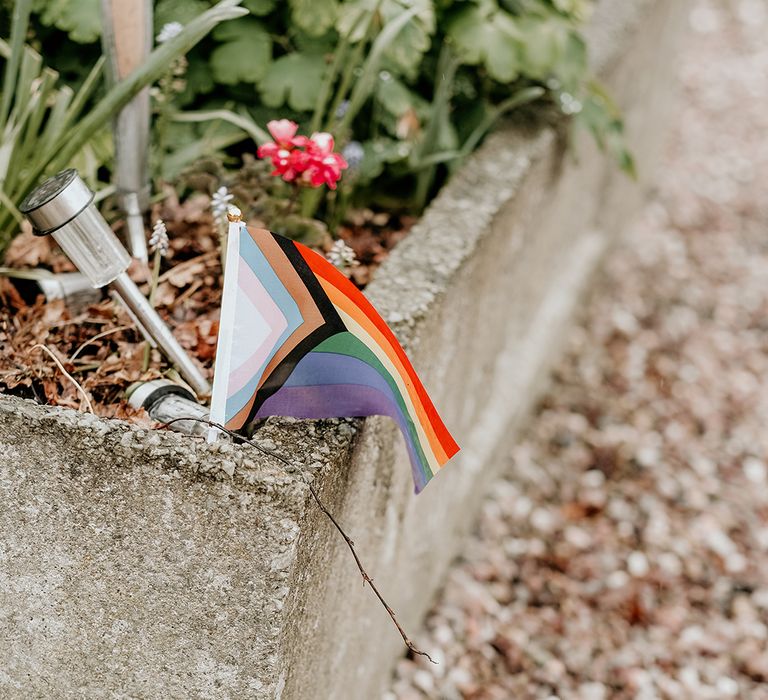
(28, 250)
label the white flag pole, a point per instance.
(226, 325)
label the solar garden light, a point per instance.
(63, 207)
(166, 401)
(74, 288)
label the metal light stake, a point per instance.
(63, 207)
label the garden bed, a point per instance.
(100, 346)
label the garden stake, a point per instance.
(127, 42)
(63, 207)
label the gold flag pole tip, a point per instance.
(234, 214)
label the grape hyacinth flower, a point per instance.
(341, 110)
(341, 255)
(220, 202)
(158, 241)
(220, 205)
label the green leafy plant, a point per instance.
(410, 87)
(44, 124)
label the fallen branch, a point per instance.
(65, 373)
(366, 578)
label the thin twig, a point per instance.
(187, 293)
(96, 337)
(366, 578)
(66, 374)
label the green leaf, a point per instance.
(315, 17)
(294, 78)
(244, 54)
(198, 79)
(324, 44)
(485, 35)
(378, 153)
(397, 99)
(414, 39)
(572, 66)
(543, 46)
(81, 19)
(352, 21)
(259, 7)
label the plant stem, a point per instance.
(310, 200)
(447, 65)
(521, 97)
(328, 81)
(152, 292)
(366, 83)
(223, 237)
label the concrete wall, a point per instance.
(144, 564)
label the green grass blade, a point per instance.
(240, 120)
(25, 274)
(29, 72)
(19, 24)
(56, 123)
(29, 140)
(367, 80)
(10, 207)
(86, 89)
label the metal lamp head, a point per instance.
(63, 207)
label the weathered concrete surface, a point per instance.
(139, 564)
(136, 564)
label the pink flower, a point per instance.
(284, 133)
(326, 166)
(320, 143)
(311, 161)
(326, 170)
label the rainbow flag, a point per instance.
(297, 338)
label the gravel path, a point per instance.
(626, 556)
